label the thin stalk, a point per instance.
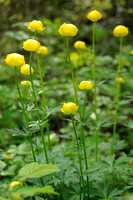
(44, 102)
(77, 102)
(79, 156)
(85, 94)
(37, 111)
(25, 115)
(95, 92)
(117, 97)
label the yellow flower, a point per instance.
(131, 52)
(120, 31)
(12, 184)
(74, 56)
(8, 156)
(80, 45)
(119, 79)
(31, 45)
(43, 50)
(94, 16)
(68, 30)
(69, 108)
(85, 85)
(36, 26)
(26, 83)
(15, 59)
(25, 69)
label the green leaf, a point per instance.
(35, 170)
(1, 198)
(2, 165)
(30, 191)
(38, 198)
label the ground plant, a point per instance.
(72, 139)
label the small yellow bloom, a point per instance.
(131, 52)
(43, 50)
(25, 69)
(68, 30)
(31, 45)
(120, 31)
(26, 83)
(74, 56)
(12, 184)
(69, 108)
(85, 85)
(80, 45)
(8, 156)
(94, 16)
(15, 59)
(119, 79)
(36, 26)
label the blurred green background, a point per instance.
(15, 16)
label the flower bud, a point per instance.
(119, 79)
(43, 50)
(69, 108)
(31, 45)
(94, 16)
(85, 85)
(12, 184)
(68, 30)
(26, 83)
(25, 69)
(36, 26)
(15, 59)
(120, 31)
(80, 45)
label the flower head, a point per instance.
(43, 50)
(8, 156)
(68, 30)
(131, 52)
(119, 79)
(80, 45)
(69, 108)
(25, 69)
(94, 16)
(15, 59)
(36, 26)
(120, 31)
(26, 83)
(12, 184)
(31, 45)
(74, 56)
(85, 85)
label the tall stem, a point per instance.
(117, 97)
(25, 115)
(44, 102)
(79, 156)
(95, 92)
(37, 111)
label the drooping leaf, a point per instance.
(35, 170)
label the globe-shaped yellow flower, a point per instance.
(25, 69)
(36, 26)
(15, 59)
(94, 16)
(31, 45)
(120, 31)
(12, 184)
(69, 108)
(85, 85)
(68, 30)
(131, 52)
(43, 50)
(119, 79)
(26, 83)
(8, 156)
(80, 45)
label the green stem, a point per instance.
(37, 111)
(85, 94)
(25, 115)
(79, 156)
(117, 97)
(44, 102)
(95, 93)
